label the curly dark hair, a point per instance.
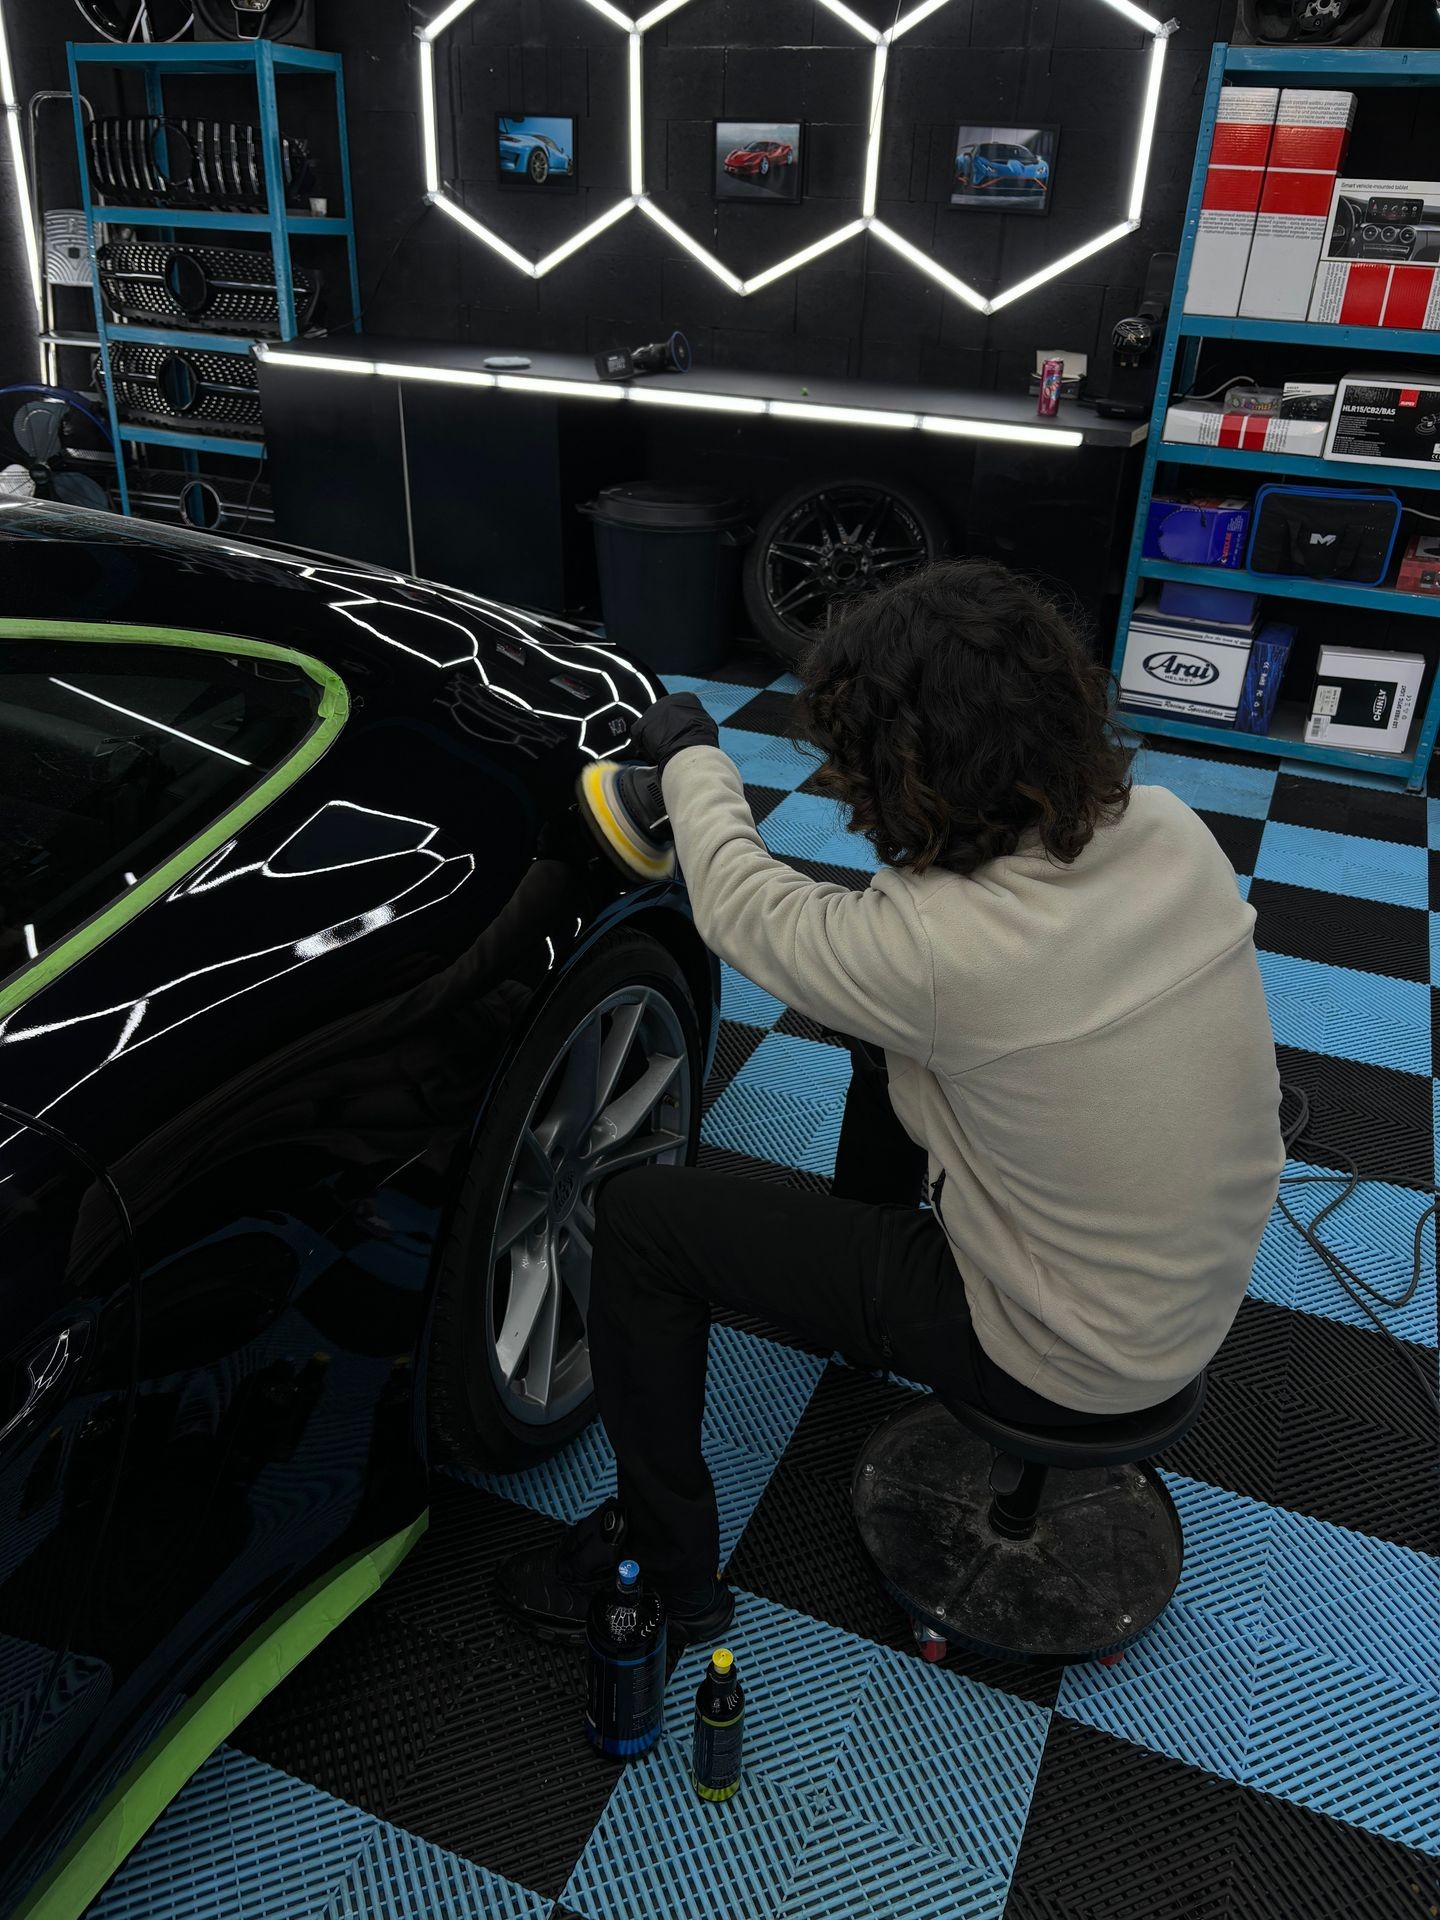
(957, 709)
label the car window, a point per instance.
(113, 757)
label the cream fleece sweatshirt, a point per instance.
(1084, 1050)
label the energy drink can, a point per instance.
(625, 1695)
(719, 1729)
(1052, 372)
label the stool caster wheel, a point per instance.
(929, 1644)
(1110, 1659)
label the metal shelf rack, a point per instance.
(264, 61)
(1184, 334)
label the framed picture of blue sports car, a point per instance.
(1009, 168)
(535, 151)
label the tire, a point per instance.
(538, 166)
(764, 168)
(117, 20)
(848, 569)
(477, 1421)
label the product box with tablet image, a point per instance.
(1381, 264)
(1364, 699)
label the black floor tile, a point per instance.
(1239, 837)
(734, 1045)
(1118, 1833)
(855, 878)
(1290, 1861)
(1333, 806)
(766, 1330)
(802, 1027)
(1435, 879)
(357, 1717)
(1202, 750)
(1339, 931)
(1378, 1117)
(766, 713)
(764, 800)
(1236, 1441)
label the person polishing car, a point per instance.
(1061, 973)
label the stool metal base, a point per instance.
(1100, 1567)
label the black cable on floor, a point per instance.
(1354, 1284)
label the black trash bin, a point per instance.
(669, 559)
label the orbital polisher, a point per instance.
(624, 808)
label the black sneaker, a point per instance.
(550, 1588)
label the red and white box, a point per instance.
(1234, 176)
(1312, 132)
(1381, 265)
(1205, 423)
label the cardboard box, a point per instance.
(1205, 423)
(1386, 419)
(1200, 532)
(1185, 603)
(1194, 671)
(1364, 699)
(1381, 264)
(1420, 566)
(1312, 132)
(1234, 176)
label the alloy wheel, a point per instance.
(618, 1095)
(834, 543)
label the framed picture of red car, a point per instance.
(1009, 168)
(758, 160)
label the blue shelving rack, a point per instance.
(1390, 67)
(264, 61)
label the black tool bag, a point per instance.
(1324, 533)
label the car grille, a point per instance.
(170, 383)
(230, 289)
(142, 160)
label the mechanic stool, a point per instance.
(981, 1543)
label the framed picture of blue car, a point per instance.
(1009, 168)
(535, 151)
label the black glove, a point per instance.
(672, 724)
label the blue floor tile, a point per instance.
(1357, 1016)
(804, 1683)
(1373, 1231)
(917, 1727)
(1272, 1575)
(659, 1850)
(1242, 880)
(767, 759)
(1435, 947)
(719, 697)
(780, 1127)
(742, 1000)
(242, 1841)
(1347, 1743)
(401, 1877)
(1344, 863)
(853, 1871)
(787, 683)
(1432, 823)
(1211, 786)
(756, 1391)
(806, 826)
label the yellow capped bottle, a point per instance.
(719, 1729)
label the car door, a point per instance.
(67, 1348)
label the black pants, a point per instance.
(876, 1282)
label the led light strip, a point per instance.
(868, 221)
(11, 106)
(696, 399)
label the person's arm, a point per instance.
(857, 961)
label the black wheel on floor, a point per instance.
(608, 1077)
(826, 541)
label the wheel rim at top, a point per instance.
(837, 542)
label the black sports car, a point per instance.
(319, 1021)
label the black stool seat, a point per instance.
(1098, 1443)
(1027, 1542)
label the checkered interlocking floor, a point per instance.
(1271, 1749)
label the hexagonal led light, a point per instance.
(537, 269)
(867, 221)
